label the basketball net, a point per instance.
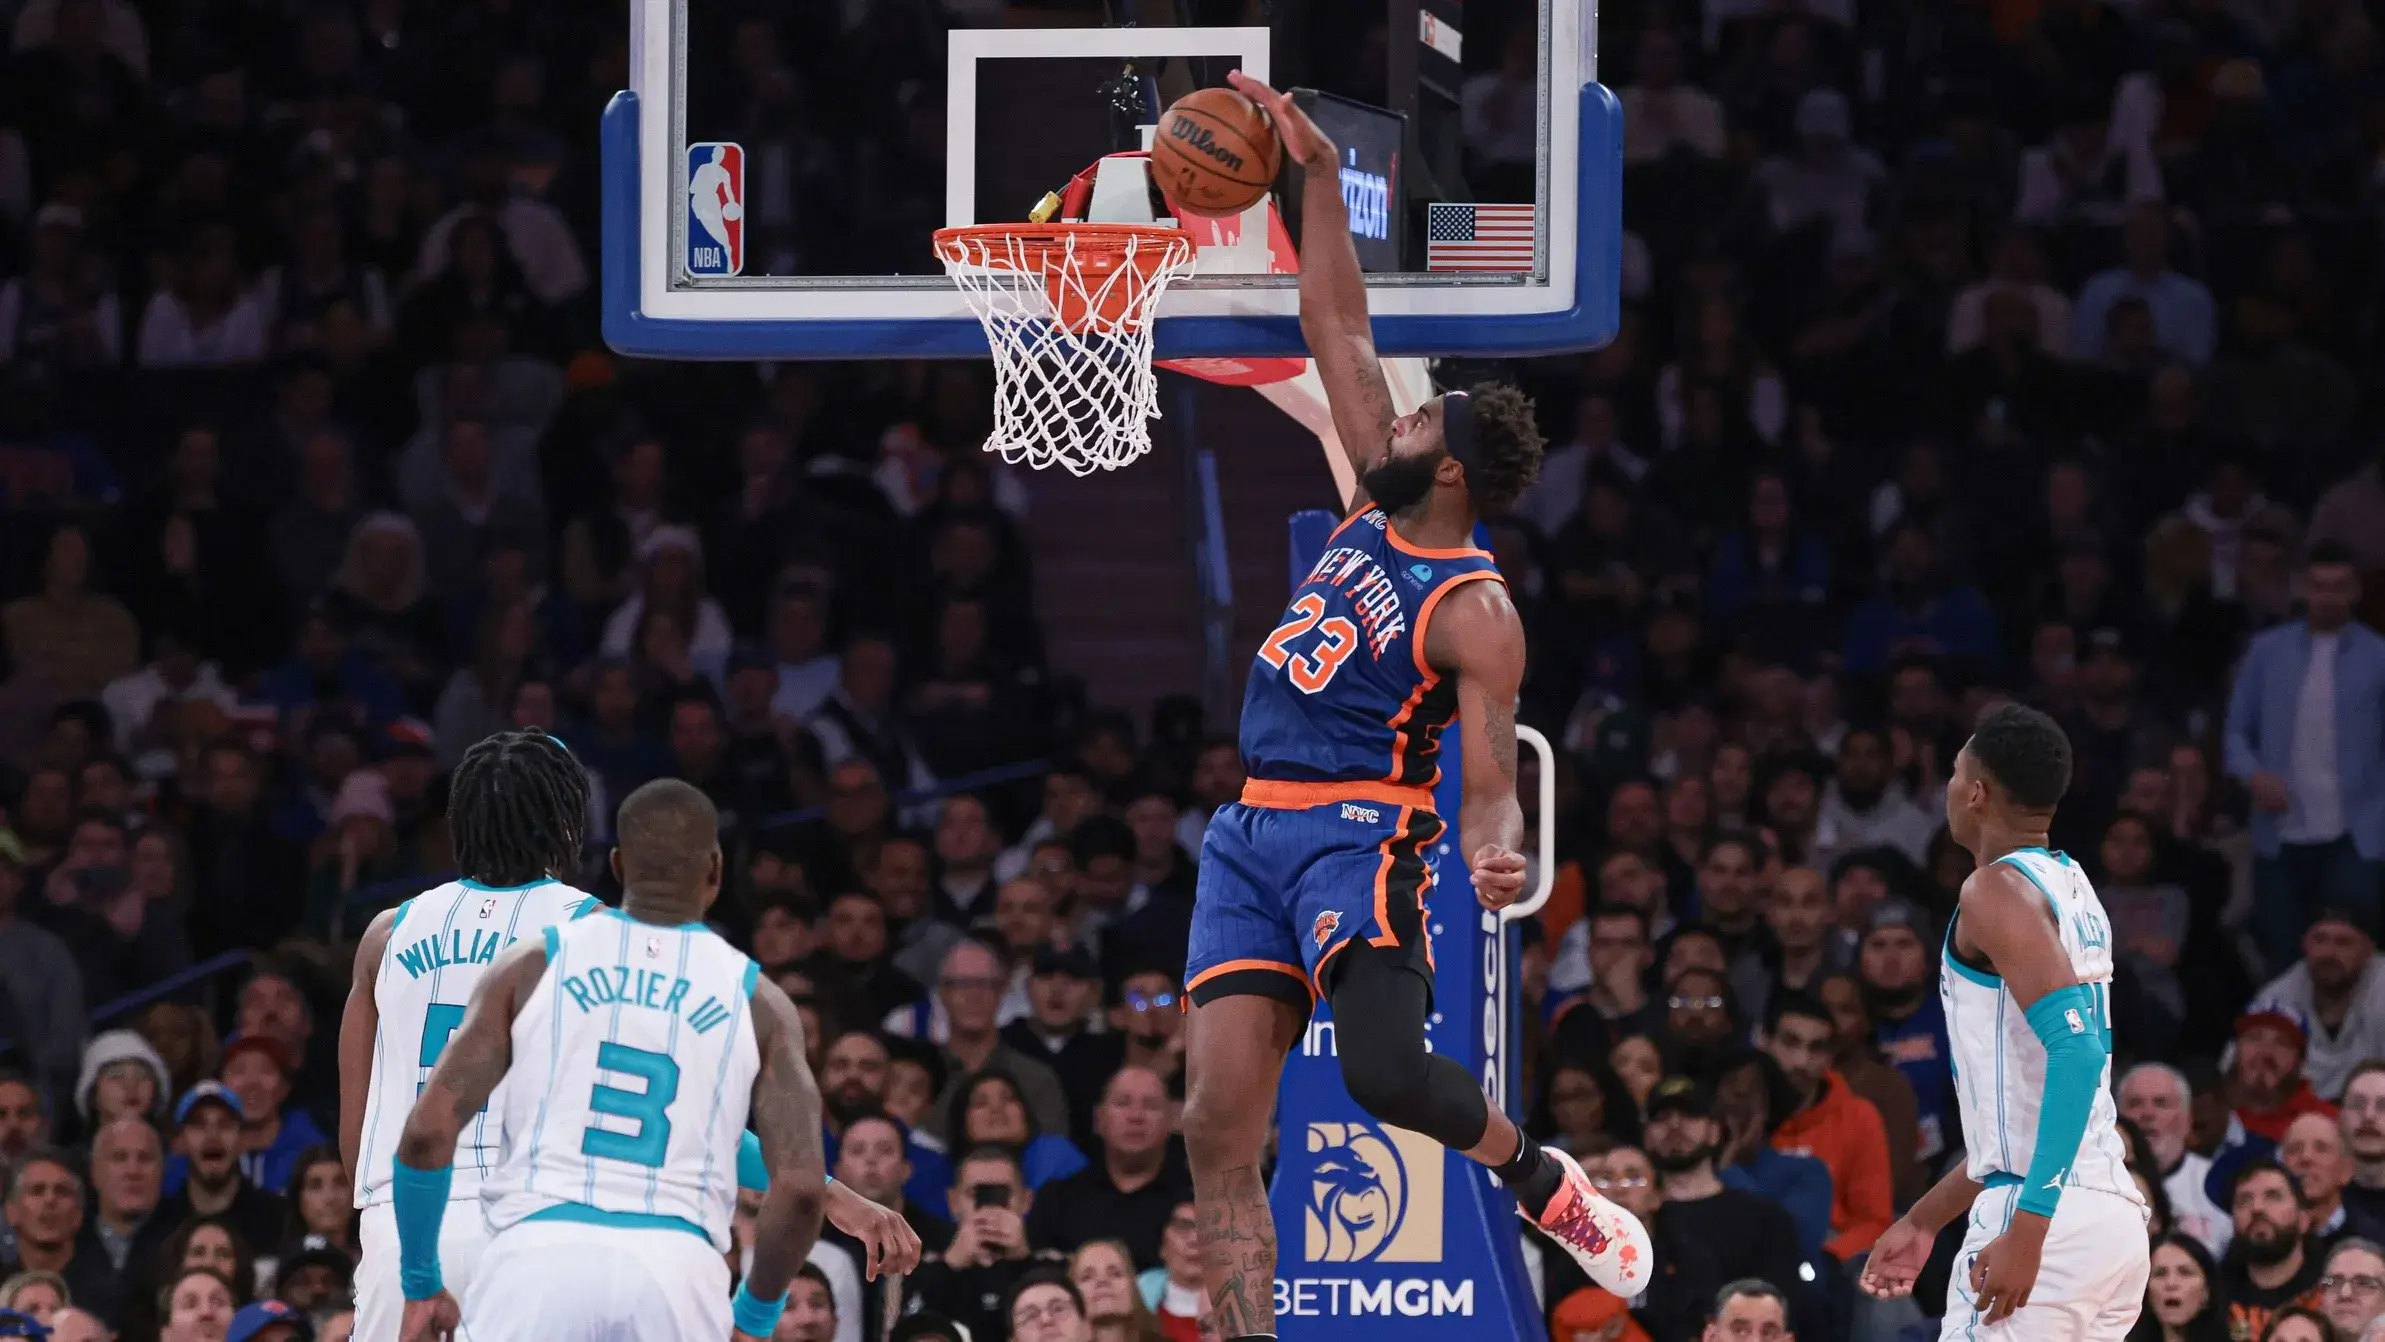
(1067, 311)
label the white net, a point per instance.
(1067, 310)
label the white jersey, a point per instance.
(634, 1060)
(1999, 1065)
(440, 945)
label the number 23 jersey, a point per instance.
(1341, 691)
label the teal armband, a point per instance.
(752, 1175)
(418, 1202)
(752, 1317)
(2068, 1022)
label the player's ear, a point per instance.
(712, 871)
(613, 860)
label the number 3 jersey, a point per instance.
(440, 945)
(1999, 1064)
(634, 1059)
(1341, 691)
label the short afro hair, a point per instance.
(2026, 753)
(1507, 446)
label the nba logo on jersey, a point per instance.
(488, 909)
(715, 209)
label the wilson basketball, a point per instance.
(1215, 152)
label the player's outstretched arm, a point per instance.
(786, 1120)
(359, 1023)
(1332, 289)
(1903, 1249)
(2008, 919)
(1476, 635)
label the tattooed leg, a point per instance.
(1234, 1057)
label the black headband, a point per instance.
(1457, 428)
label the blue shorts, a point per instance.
(1283, 888)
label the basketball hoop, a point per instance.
(1067, 311)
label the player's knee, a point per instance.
(1385, 1076)
(1213, 1133)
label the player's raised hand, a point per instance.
(2005, 1272)
(431, 1320)
(1896, 1260)
(1498, 875)
(1303, 143)
(893, 1246)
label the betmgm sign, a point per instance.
(1376, 1224)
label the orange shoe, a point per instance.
(1609, 1242)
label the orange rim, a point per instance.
(1040, 245)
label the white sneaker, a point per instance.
(1609, 1242)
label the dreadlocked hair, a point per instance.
(518, 809)
(1507, 446)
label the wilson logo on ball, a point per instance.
(1196, 137)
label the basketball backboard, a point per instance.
(773, 174)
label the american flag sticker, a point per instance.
(1481, 238)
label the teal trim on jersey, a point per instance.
(1978, 976)
(2050, 901)
(402, 907)
(659, 927)
(554, 940)
(470, 884)
(2000, 1179)
(753, 975)
(585, 907)
(580, 1213)
(1984, 980)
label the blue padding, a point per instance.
(1591, 321)
(2065, 1022)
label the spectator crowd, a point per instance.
(1972, 350)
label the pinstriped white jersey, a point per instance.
(634, 1060)
(1999, 1065)
(441, 944)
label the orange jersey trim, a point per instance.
(1462, 552)
(1278, 795)
(1424, 613)
(1237, 966)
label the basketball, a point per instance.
(1215, 153)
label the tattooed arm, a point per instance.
(1476, 636)
(475, 1058)
(358, 1024)
(786, 1119)
(1332, 290)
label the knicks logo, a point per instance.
(1374, 1195)
(1327, 923)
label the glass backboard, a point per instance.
(773, 174)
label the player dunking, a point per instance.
(1314, 884)
(516, 812)
(2056, 1246)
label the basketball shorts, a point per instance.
(1284, 888)
(463, 1238)
(2090, 1283)
(567, 1281)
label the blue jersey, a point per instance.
(1341, 691)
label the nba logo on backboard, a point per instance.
(715, 209)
